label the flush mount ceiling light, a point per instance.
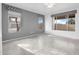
(49, 5)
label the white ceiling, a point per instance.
(42, 9)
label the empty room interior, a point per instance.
(39, 29)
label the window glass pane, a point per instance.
(40, 23)
(72, 16)
(60, 17)
(13, 19)
(61, 24)
(40, 20)
(71, 24)
(62, 21)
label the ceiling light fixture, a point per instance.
(49, 5)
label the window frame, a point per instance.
(67, 17)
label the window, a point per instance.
(40, 23)
(71, 23)
(14, 22)
(40, 20)
(61, 24)
(64, 22)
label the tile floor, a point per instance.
(42, 44)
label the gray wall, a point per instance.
(0, 29)
(29, 24)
